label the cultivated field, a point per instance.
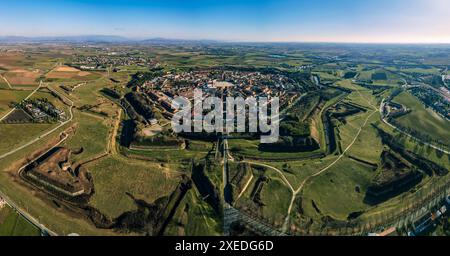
(64, 73)
(22, 78)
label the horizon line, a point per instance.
(138, 39)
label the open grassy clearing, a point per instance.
(327, 76)
(347, 84)
(363, 98)
(297, 171)
(368, 145)
(114, 176)
(423, 120)
(334, 192)
(88, 94)
(249, 148)
(196, 217)
(422, 150)
(275, 196)
(91, 135)
(9, 96)
(168, 155)
(348, 131)
(418, 70)
(12, 224)
(368, 135)
(14, 135)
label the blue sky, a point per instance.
(232, 20)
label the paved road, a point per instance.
(407, 134)
(43, 135)
(31, 94)
(26, 216)
(22, 212)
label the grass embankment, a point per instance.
(115, 176)
(423, 120)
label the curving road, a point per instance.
(31, 94)
(22, 212)
(407, 134)
(299, 189)
(43, 135)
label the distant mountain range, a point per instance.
(96, 39)
(111, 39)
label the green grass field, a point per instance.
(3, 84)
(12, 224)
(275, 196)
(424, 120)
(91, 135)
(9, 96)
(298, 171)
(249, 149)
(422, 150)
(367, 136)
(114, 176)
(194, 217)
(334, 191)
(14, 135)
(326, 76)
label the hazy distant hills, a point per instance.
(65, 39)
(95, 39)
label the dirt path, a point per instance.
(245, 188)
(285, 180)
(112, 144)
(296, 192)
(7, 82)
